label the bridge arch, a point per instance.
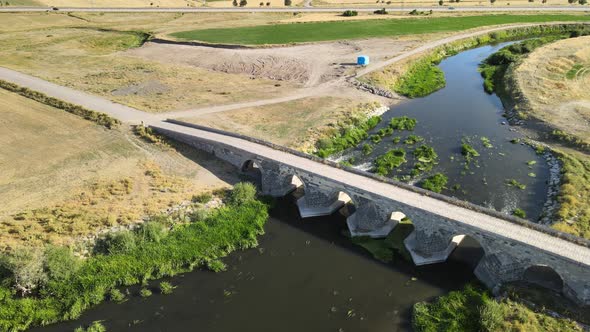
(468, 249)
(544, 276)
(251, 167)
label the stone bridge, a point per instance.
(514, 249)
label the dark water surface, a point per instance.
(305, 276)
(464, 110)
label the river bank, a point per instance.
(567, 203)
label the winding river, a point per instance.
(306, 276)
(463, 110)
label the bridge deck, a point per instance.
(466, 216)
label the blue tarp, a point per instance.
(362, 60)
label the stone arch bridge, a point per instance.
(514, 249)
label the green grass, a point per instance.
(347, 137)
(324, 31)
(473, 309)
(572, 73)
(131, 258)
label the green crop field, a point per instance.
(323, 31)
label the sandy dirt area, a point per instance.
(555, 79)
(309, 65)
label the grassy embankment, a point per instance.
(573, 215)
(40, 287)
(472, 309)
(421, 76)
(325, 31)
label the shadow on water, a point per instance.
(305, 276)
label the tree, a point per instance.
(492, 1)
(583, 2)
(26, 267)
(288, 2)
(243, 192)
(440, 2)
(235, 3)
(261, 4)
(268, 4)
(60, 263)
(243, 3)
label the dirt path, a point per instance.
(131, 115)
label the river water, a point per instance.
(306, 276)
(463, 110)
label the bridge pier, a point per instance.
(276, 183)
(498, 268)
(372, 220)
(319, 202)
(431, 247)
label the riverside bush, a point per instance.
(389, 160)
(183, 248)
(347, 138)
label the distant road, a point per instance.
(301, 9)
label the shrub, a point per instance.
(388, 161)
(166, 288)
(116, 295)
(288, 2)
(367, 149)
(435, 183)
(519, 213)
(152, 231)
(60, 263)
(242, 193)
(96, 326)
(117, 243)
(349, 13)
(381, 11)
(145, 292)
(403, 123)
(203, 198)
(26, 268)
(216, 265)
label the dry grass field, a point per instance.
(86, 54)
(63, 177)
(296, 124)
(555, 80)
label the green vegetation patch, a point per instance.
(473, 309)
(421, 79)
(324, 31)
(425, 157)
(347, 138)
(516, 184)
(576, 71)
(403, 123)
(386, 162)
(573, 215)
(468, 151)
(37, 291)
(413, 139)
(519, 213)
(494, 67)
(436, 182)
